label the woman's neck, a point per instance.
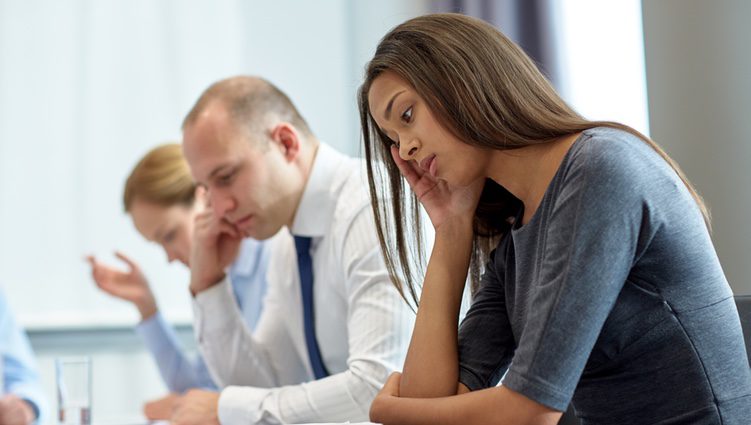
(527, 172)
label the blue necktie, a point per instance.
(305, 266)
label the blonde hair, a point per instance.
(161, 177)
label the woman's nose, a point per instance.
(408, 150)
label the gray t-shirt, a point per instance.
(611, 295)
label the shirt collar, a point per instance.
(316, 208)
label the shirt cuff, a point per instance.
(212, 304)
(34, 408)
(32, 394)
(242, 405)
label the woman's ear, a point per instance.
(287, 139)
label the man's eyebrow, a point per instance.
(391, 104)
(216, 171)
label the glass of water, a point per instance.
(2, 372)
(73, 390)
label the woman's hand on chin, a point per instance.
(441, 201)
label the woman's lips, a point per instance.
(428, 164)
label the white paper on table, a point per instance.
(134, 420)
(342, 423)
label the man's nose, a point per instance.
(221, 204)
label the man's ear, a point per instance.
(287, 139)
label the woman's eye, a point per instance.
(407, 115)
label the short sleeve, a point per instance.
(588, 247)
(486, 342)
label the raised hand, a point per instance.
(216, 243)
(129, 285)
(441, 201)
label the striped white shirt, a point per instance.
(362, 325)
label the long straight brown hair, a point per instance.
(488, 93)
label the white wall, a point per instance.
(600, 48)
(87, 87)
(699, 81)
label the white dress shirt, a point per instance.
(179, 371)
(362, 325)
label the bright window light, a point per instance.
(601, 48)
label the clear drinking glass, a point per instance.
(73, 390)
(2, 373)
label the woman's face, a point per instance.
(406, 119)
(171, 227)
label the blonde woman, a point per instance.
(163, 201)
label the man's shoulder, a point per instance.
(352, 193)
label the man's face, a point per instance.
(245, 178)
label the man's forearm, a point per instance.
(342, 397)
(228, 348)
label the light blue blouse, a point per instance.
(20, 373)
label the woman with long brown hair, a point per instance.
(603, 287)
